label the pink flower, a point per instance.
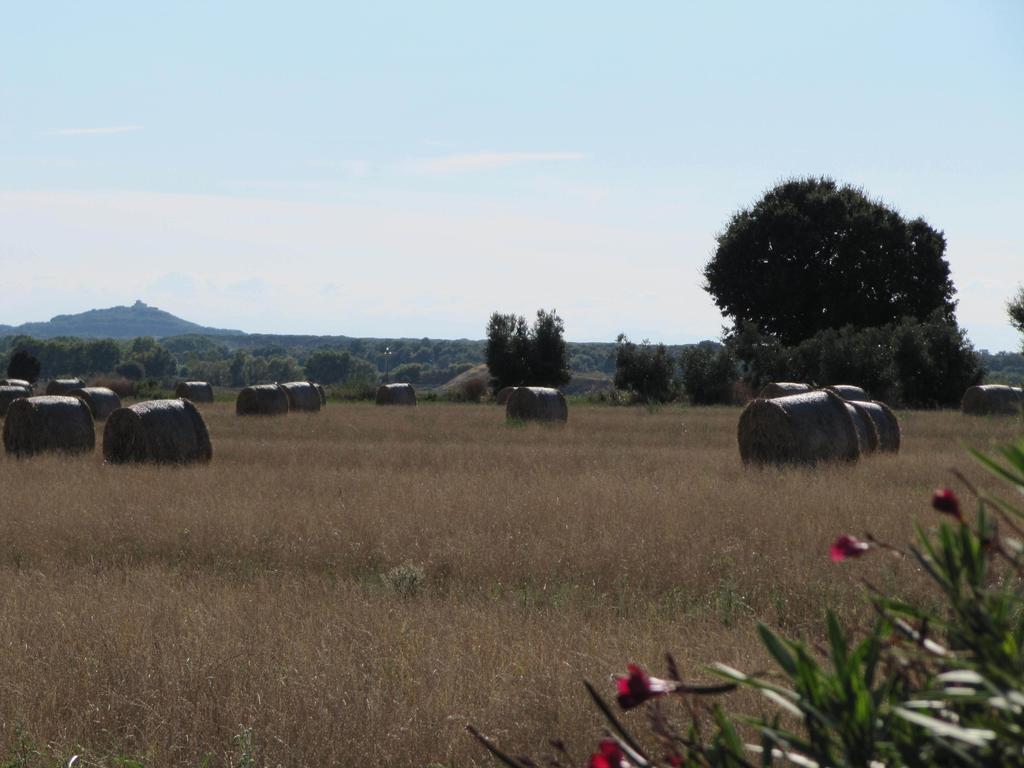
(609, 755)
(945, 501)
(847, 546)
(637, 687)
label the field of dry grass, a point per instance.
(353, 587)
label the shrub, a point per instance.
(708, 374)
(473, 390)
(407, 580)
(23, 366)
(131, 369)
(919, 364)
(928, 685)
(644, 370)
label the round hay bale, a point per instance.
(63, 386)
(302, 396)
(196, 391)
(322, 392)
(101, 401)
(886, 425)
(850, 392)
(396, 394)
(867, 432)
(16, 383)
(536, 404)
(8, 394)
(991, 400)
(502, 397)
(782, 389)
(48, 423)
(157, 431)
(262, 400)
(798, 429)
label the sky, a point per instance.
(406, 169)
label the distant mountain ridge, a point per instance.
(139, 319)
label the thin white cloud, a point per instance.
(94, 131)
(486, 161)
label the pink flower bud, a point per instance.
(609, 755)
(847, 546)
(637, 687)
(946, 502)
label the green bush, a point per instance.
(708, 374)
(644, 370)
(911, 363)
(932, 683)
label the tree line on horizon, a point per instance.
(819, 282)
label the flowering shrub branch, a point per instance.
(923, 687)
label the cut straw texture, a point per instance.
(302, 396)
(396, 394)
(196, 391)
(101, 401)
(806, 428)
(850, 392)
(49, 423)
(322, 392)
(886, 425)
(63, 386)
(782, 389)
(8, 394)
(157, 432)
(992, 400)
(262, 400)
(867, 432)
(536, 404)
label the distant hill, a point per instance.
(115, 323)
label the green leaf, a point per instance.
(777, 648)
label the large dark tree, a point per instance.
(23, 366)
(1015, 308)
(812, 255)
(520, 356)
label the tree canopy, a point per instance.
(23, 366)
(1015, 308)
(521, 356)
(811, 255)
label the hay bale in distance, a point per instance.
(536, 404)
(48, 423)
(850, 392)
(992, 400)
(159, 432)
(16, 383)
(262, 400)
(782, 389)
(63, 386)
(302, 396)
(322, 392)
(101, 401)
(396, 394)
(196, 391)
(867, 432)
(8, 394)
(806, 428)
(502, 397)
(886, 425)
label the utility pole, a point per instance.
(387, 363)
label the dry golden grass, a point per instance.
(158, 612)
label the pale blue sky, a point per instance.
(405, 169)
